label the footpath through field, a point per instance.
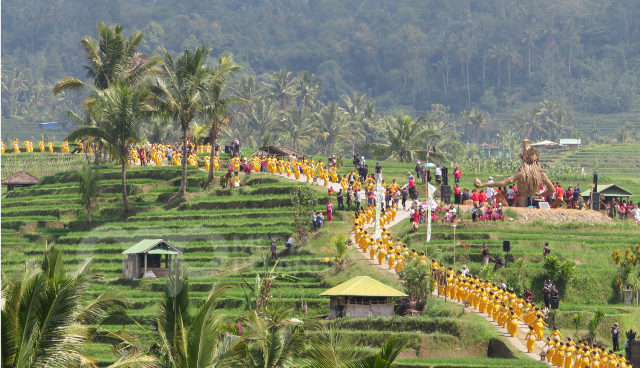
(402, 215)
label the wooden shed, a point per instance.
(146, 259)
(278, 151)
(361, 297)
(20, 179)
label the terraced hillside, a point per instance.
(619, 164)
(224, 235)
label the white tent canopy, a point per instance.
(546, 144)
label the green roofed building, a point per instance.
(361, 297)
(146, 259)
(610, 191)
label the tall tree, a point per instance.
(476, 118)
(405, 139)
(532, 34)
(330, 125)
(215, 114)
(308, 88)
(262, 115)
(112, 58)
(498, 52)
(513, 57)
(299, 124)
(180, 93)
(121, 108)
(88, 178)
(282, 88)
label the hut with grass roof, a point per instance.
(149, 258)
(20, 179)
(361, 297)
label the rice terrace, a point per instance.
(320, 185)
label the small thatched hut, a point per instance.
(146, 259)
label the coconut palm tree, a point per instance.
(308, 88)
(513, 57)
(299, 124)
(180, 93)
(269, 341)
(532, 125)
(121, 108)
(112, 58)
(330, 125)
(248, 89)
(405, 139)
(186, 339)
(262, 116)
(215, 114)
(46, 321)
(477, 118)
(88, 188)
(498, 52)
(282, 88)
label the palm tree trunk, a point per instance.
(498, 74)
(529, 60)
(88, 207)
(214, 140)
(125, 198)
(468, 88)
(509, 69)
(183, 180)
(484, 64)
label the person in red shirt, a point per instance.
(457, 174)
(483, 197)
(456, 194)
(416, 219)
(412, 184)
(475, 196)
(559, 191)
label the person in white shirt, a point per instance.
(510, 195)
(464, 270)
(490, 191)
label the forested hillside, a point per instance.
(492, 54)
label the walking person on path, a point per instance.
(379, 169)
(356, 198)
(273, 248)
(340, 197)
(615, 334)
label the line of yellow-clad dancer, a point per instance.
(28, 146)
(505, 307)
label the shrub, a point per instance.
(416, 282)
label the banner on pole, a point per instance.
(431, 190)
(379, 199)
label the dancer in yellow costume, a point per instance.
(531, 339)
(400, 259)
(287, 167)
(334, 174)
(3, 147)
(568, 355)
(65, 146)
(382, 253)
(26, 146)
(41, 146)
(538, 326)
(512, 324)
(207, 165)
(16, 146)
